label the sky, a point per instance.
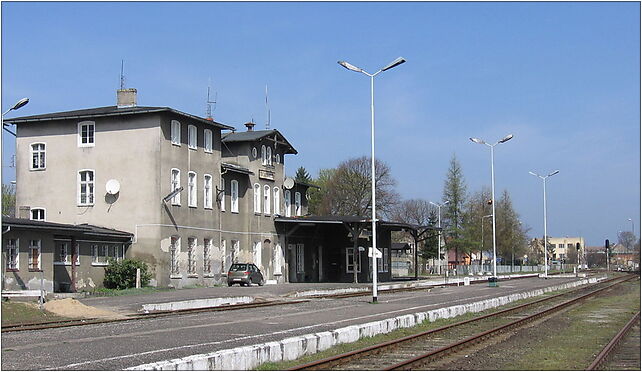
(562, 77)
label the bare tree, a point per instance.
(8, 201)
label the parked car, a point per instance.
(244, 274)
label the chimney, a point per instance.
(250, 126)
(126, 97)
(24, 212)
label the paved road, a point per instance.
(115, 346)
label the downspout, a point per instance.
(220, 224)
(74, 257)
(2, 257)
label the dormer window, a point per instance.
(86, 133)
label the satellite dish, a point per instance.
(288, 183)
(112, 187)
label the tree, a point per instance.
(8, 201)
(475, 209)
(302, 175)
(419, 212)
(318, 204)
(455, 194)
(627, 239)
(348, 189)
(510, 233)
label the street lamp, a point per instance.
(632, 227)
(545, 241)
(350, 67)
(492, 177)
(439, 242)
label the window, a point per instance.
(257, 198)
(174, 250)
(101, 254)
(297, 203)
(13, 257)
(569, 245)
(207, 191)
(350, 261)
(254, 153)
(191, 137)
(268, 159)
(257, 253)
(86, 133)
(38, 214)
(234, 186)
(191, 189)
(382, 263)
(176, 133)
(62, 253)
(277, 158)
(207, 263)
(288, 208)
(207, 144)
(236, 249)
(86, 187)
(263, 155)
(38, 156)
(34, 254)
(191, 259)
(221, 192)
(266, 199)
(277, 201)
(176, 184)
(299, 258)
(560, 246)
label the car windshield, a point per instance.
(239, 267)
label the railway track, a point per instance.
(134, 317)
(415, 352)
(623, 351)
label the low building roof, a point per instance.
(235, 168)
(345, 219)
(82, 229)
(109, 111)
(255, 135)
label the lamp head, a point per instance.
(534, 174)
(20, 103)
(553, 173)
(477, 140)
(394, 63)
(349, 66)
(446, 202)
(505, 139)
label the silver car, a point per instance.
(244, 274)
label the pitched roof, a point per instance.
(255, 135)
(108, 111)
(83, 229)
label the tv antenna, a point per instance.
(122, 74)
(267, 109)
(209, 103)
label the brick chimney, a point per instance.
(126, 97)
(250, 126)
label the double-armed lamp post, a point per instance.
(545, 236)
(350, 67)
(439, 242)
(492, 180)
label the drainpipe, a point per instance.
(74, 256)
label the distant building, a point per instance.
(565, 249)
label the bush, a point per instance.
(122, 274)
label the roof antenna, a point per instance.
(267, 109)
(209, 103)
(122, 74)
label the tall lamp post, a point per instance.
(492, 177)
(481, 253)
(350, 67)
(439, 226)
(545, 241)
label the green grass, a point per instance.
(378, 339)
(25, 312)
(107, 292)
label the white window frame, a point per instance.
(382, 263)
(174, 255)
(236, 249)
(207, 259)
(256, 255)
(41, 163)
(175, 183)
(255, 153)
(207, 191)
(88, 124)
(192, 137)
(257, 198)
(13, 265)
(192, 243)
(268, 156)
(234, 196)
(32, 246)
(176, 133)
(38, 209)
(263, 155)
(192, 198)
(297, 204)
(222, 193)
(277, 201)
(207, 141)
(300, 258)
(287, 199)
(58, 253)
(89, 185)
(277, 158)
(349, 257)
(266, 199)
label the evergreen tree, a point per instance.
(429, 246)
(452, 218)
(302, 175)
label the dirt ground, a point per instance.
(71, 308)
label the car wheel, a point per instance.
(249, 282)
(261, 283)
(229, 284)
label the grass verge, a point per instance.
(25, 312)
(107, 292)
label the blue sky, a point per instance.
(563, 78)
